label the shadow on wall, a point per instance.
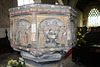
(5, 43)
(2, 32)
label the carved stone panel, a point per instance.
(43, 32)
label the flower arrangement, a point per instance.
(80, 38)
(15, 63)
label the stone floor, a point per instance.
(15, 55)
(8, 56)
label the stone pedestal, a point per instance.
(47, 64)
(28, 65)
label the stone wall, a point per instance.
(4, 15)
(79, 18)
(3, 34)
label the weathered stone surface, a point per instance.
(46, 31)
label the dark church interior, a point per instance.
(85, 53)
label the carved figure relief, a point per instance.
(48, 29)
(22, 32)
(52, 32)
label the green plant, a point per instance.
(80, 38)
(15, 63)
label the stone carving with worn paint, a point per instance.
(43, 32)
